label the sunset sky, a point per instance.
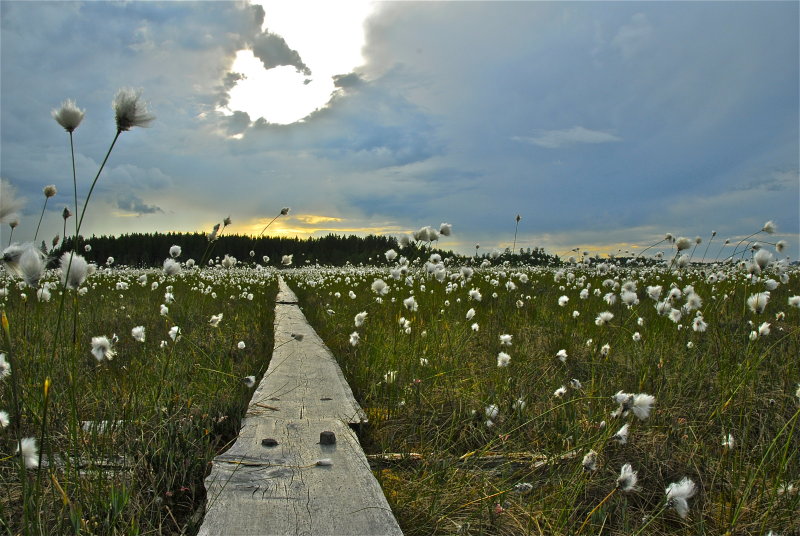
(604, 125)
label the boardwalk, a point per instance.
(279, 477)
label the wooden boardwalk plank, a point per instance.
(280, 489)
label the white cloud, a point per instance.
(553, 139)
(633, 36)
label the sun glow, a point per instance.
(328, 37)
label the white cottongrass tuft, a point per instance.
(29, 452)
(626, 481)
(171, 267)
(642, 405)
(492, 411)
(758, 302)
(622, 434)
(175, 333)
(249, 381)
(562, 355)
(794, 301)
(5, 367)
(503, 359)
(769, 227)
(130, 111)
(360, 318)
(603, 318)
(138, 333)
(678, 493)
(410, 303)
(561, 391)
(175, 252)
(4, 419)
(590, 461)
(355, 338)
(763, 329)
(471, 312)
(102, 349)
(69, 116)
(241, 345)
(215, 320)
(380, 287)
(78, 270)
(683, 243)
(505, 339)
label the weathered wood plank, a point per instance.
(281, 489)
(255, 489)
(303, 379)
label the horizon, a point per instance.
(603, 125)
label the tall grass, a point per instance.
(706, 385)
(125, 444)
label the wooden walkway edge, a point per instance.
(280, 477)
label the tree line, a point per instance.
(150, 250)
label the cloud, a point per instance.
(554, 139)
(132, 203)
(633, 36)
(237, 122)
(775, 182)
(347, 80)
(273, 51)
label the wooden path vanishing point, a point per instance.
(279, 478)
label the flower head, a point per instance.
(758, 302)
(102, 349)
(355, 338)
(683, 243)
(49, 190)
(590, 461)
(626, 481)
(249, 381)
(678, 493)
(769, 227)
(622, 434)
(29, 452)
(138, 333)
(603, 318)
(171, 267)
(503, 359)
(69, 115)
(77, 267)
(5, 367)
(215, 320)
(10, 203)
(130, 111)
(175, 333)
(285, 211)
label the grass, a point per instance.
(125, 443)
(429, 390)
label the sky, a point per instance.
(604, 125)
